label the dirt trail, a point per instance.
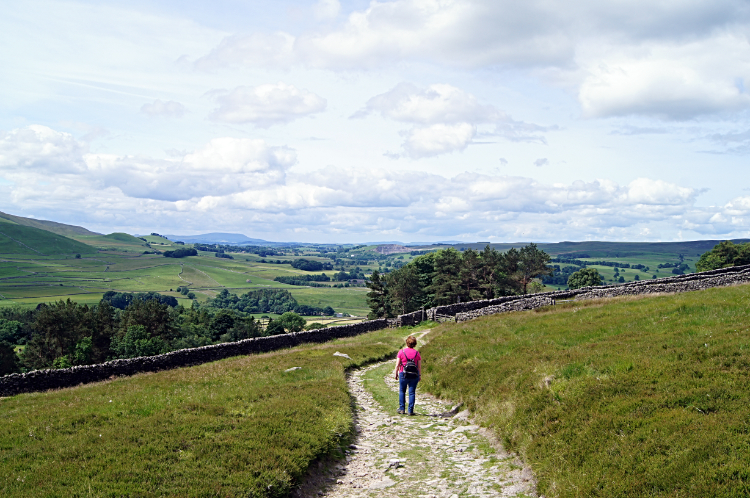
(425, 455)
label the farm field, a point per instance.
(30, 280)
(237, 427)
(624, 397)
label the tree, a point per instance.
(221, 323)
(469, 273)
(403, 289)
(532, 263)
(137, 342)
(723, 255)
(9, 362)
(586, 277)
(58, 327)
(446, 282)
(153, 315)
(274, 327)
(378, 299)
(292, 322)
(491, 273)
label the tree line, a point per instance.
(65, 333)
(448, 276)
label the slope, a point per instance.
(624, 397)
(50, 226)
(25, 240)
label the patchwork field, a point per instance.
(30, 280)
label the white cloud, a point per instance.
(40, 149)
(233, 182)
(438, 139)
(170, 109)
(449, 118)
(435, 104)
(669, 79)
(266, 105)
(669, 58)
(542, 161)
(257, 49)
(326, 9)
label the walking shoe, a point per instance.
(411, 414)
(400, 412)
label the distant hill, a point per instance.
(595, 249)
(19, 239)
(50, 226)
(236, 239)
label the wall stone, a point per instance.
(42, 380)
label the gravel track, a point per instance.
(425, 456)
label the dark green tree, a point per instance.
(723, 255)
(58, 328)
(532, 263)
(137, 342)
(378, 299)
(586, 277)
(156, 317)
(469, 275)
(403, 289)
(9, 361)
(292, 322)
(446, 281)
(275, 327)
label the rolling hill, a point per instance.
(50, 226)
(25, 240)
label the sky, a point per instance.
(402, 120)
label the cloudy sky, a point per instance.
(409, 120)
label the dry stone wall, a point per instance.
(41, 380)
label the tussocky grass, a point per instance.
(626, 397)
(237, 427)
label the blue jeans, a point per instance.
(403, 383)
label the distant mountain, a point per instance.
(235, 239)
(50, 226)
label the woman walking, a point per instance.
(408, 373)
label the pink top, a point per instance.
(402, 356)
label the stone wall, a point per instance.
(41, 380)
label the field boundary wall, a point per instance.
(42, 380)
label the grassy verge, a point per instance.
(237, 427)
(631, 397)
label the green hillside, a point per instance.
(50, 226)
(628, 397)
(24, 240)
(597, 249)
(118, 241)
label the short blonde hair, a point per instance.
(411, 341)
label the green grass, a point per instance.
(237, 427)
(29, 241)
(643, 397)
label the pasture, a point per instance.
(614, 398)
(243, 426)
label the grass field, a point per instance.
(237, 427)
(617, 398)
(29, 280)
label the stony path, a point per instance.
(422, 456)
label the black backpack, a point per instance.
(410, 367)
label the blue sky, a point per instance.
(360, 121)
